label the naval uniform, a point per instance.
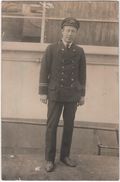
(62, 79)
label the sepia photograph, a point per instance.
(60, 90)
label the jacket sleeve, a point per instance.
(45, 71)
(82, 73)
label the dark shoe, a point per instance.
(68, 162)
(49, 166)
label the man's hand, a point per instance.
(43, 99)
(81, 101)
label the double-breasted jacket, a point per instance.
(63, 73)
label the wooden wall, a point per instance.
(85, 9)
(90, 33)
(98, 23)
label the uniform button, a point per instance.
(72, 79)
(61, 85)
(62, 73)
(72, 73)
(62, 79)
(63, 67)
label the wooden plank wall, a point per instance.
(90, 33)
(99, 28)
(85, 9)
(98, 23)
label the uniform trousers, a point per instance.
(55, 109)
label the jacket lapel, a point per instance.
(62, 51)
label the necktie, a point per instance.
(67, 46)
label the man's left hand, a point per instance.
(81, 101)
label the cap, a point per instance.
(70, 21)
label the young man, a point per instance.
(62, 84)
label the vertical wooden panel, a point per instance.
(91, 32)
(85, 9)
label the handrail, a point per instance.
(56, 18)
(38, 47)
(26, 121)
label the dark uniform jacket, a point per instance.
(63, 73)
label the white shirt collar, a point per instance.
(65, 43)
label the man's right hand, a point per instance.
(43, 99)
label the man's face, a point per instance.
(69, 33)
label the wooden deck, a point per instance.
(32, 167)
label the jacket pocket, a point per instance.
(78, 86)
(52, 86)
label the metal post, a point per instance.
(117, 135)
(43, 23)
(99, 150)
